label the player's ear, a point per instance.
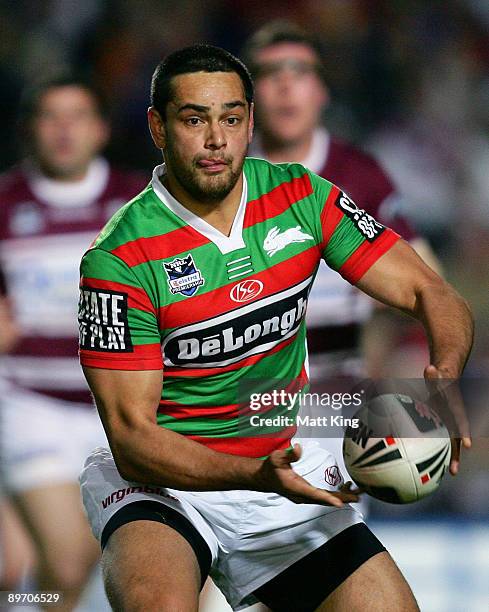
(251, 123)
(100, 134)
(103, 133)
(157, 127)
(325, 96)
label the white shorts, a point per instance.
(335, 447)
(252, 536)
(43, 441)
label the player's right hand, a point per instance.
(276, 475)
(446, 397)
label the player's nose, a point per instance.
(216, 137)
(285, 78)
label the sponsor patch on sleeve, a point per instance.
(102, 319)
(365, 223)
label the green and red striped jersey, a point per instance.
(220, 315)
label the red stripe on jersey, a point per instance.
(217, 302)
(202, 372)
(246, 447)
(136, 297)
(366, 255)
(277, 200)
(184, 411)
(230, 411)
(143, 250)
(143, 357)
(330, 216)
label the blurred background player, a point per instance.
(52, 205)
(15, 547)
(291, 97)
(9, 330)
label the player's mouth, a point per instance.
(287, 112)
(63, 148)
(212, 165)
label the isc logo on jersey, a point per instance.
(246, 290)
(247, 330)
(365, 223)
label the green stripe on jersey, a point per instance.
(147, 213)
(240, 426)
(342, 243)
(263, 177)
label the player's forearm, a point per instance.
(449, 324)
(154, 455)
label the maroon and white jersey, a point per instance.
(336, 309)
(45, 227)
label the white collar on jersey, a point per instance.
(226, 244)
(73, 193)
(318, 152)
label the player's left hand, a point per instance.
(443, 384)
(347, 489)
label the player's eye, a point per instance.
(193, 120)
(233, 120)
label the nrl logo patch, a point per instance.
(276, 240)
(183, 276)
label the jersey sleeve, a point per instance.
(352, 240)
(118, 322)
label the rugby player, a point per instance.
(50, 205)
(194, 294)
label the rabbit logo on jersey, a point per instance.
(276, 240)
(183, 275)
(248, 330)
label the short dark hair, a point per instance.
(274, 33)
(197, 58)
(32, 96)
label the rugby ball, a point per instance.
(399, 451)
